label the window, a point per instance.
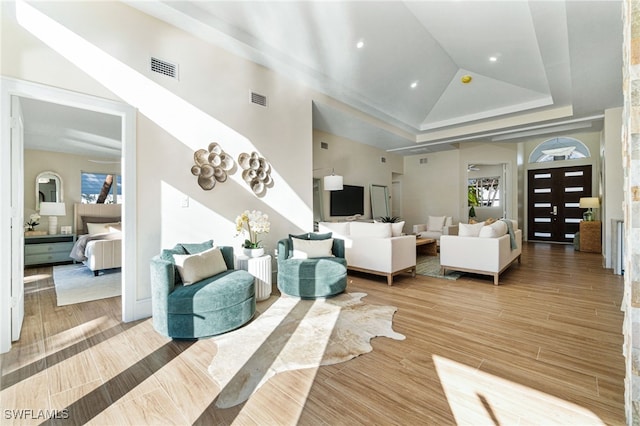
(486, 190)
(92, 185)
(559, 149)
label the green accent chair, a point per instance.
(208, 307)
(315, 277)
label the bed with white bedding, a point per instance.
(99, 241)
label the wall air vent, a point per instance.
(258, 99)
(383, 159)
(424, 160)
(324, 145)
(164, 68)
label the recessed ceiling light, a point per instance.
(414, 84)
(493, 58)
(360, 44)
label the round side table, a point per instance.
(259, 267)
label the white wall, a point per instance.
(209, 103)
(439, 186)
(613, 177)
(359, 164)
(69, 167)
(431, 188)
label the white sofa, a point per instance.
(436, 227)
(376, 248)
(481, 249)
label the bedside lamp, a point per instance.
(589, 203)
(53, 210)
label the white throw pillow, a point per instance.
(368, 229)
(101, 228)
(338, 228)
(308, 249)
(469, 229)
(396, 229)
(195, 267)
(435, 223)
(496, 230)
(448, 221)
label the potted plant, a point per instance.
(253, 223)
(472, 200)
(389, 219)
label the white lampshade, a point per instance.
(589, 203)
(53, 210)
(333, 183)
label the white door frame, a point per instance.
(17, 218)
(12, 87)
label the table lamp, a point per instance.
(53, 210)
(589, 203)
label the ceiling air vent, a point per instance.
(258, 99)
(164, 68)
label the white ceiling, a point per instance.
(556, 62)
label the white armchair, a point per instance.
(436, 227)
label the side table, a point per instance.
(259, 267)
(591, 236)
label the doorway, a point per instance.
(554, 212)
(10, 89)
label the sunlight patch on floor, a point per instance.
(476, 397)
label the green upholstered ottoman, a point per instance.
(214, 305)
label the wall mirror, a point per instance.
(48, 188)
(379, 201)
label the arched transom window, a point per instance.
(559, 149)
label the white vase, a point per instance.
(254, 252)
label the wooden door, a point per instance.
(554, 202)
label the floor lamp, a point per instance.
(53, 210)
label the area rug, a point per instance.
(430, 266)
(295, 334)
(76, 284)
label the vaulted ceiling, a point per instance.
(398, 70)
(530, 63)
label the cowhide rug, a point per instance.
(295, 334)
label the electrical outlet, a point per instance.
(184, 202)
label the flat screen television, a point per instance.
(348, 201)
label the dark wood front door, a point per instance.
(554, 202)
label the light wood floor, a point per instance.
(542, 348)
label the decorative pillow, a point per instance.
(435, 223)
(101, 228)
(469, 229)
(97, 219)
(308, 249)
(494, 230)
(167, 254)
(193, 248)
(368, 229)
(196, 267)
(396, 228)
(319, 236)
(339, 228)
(448, 221)
(311, 236)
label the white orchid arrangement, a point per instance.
(253, 223)
(34, 220)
